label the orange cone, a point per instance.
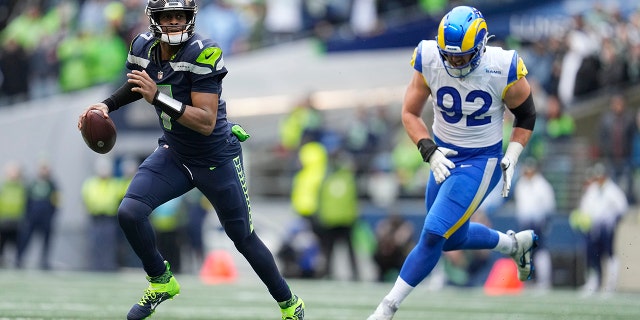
(503, 278)
(218, 267)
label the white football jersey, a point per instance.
(469, 111)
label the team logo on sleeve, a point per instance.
(210, 56)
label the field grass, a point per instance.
(78, 295)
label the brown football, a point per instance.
(98, 133)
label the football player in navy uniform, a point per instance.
(472, 85)
(180, 73)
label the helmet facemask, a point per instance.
(173, 34)
(463, 70)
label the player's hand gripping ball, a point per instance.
(98, 133)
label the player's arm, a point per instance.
(122, 96)
(200, 117)
(415, 98)
(519, 100)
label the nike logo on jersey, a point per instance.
(207, 56)
(465, 165)
(212, 168)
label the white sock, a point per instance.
(399, 292)
(506, 244)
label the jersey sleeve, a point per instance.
(134, 58)
(517, 70)
(416, 58)
(208, 67)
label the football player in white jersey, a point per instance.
(471, 85)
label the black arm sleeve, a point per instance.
(525, 114)
(122, 96)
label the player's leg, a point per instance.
(226, 189)
(159, 179)
(519, 246)
(449, 208)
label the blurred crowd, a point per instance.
(49, 47)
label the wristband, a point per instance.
(172, 107)
(426, 147)
(110, 104)
(513, 151)
(122, 96)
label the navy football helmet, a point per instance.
(164, 32)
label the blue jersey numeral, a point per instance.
(453, 113)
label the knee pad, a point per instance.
(432, 240)
(237, 231)
(132, 210)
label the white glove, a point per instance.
(440, 165)
(508, 165)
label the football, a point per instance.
(98, 133)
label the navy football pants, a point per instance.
(161, 177)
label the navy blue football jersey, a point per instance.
(199, 67)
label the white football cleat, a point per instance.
(385, 310)
(525, 241)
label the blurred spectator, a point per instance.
(635, 157)
(602, 206)
(102, 194)
(13, 204)
(283, 20)
(612, 71)
(360, 139)
(469, 268)
(300, 251)
(304, 120)
(554, 127)
(407, 163)
(167, 220)
(222, 22)
(534, 204)
(26, 28)
(307, 182)
(72, 53)
(91, 17)
(558, 124)
(581, 44)
(338, 212)
(364, 18)
(14, 65)
(197, 207)
(395, 239)
(616, 132)
(544, 55)
(43, 202)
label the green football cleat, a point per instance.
(160, 288)
(294, 309)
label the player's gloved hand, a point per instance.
(437, 158)
(508, 165)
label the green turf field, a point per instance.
(75, 295)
